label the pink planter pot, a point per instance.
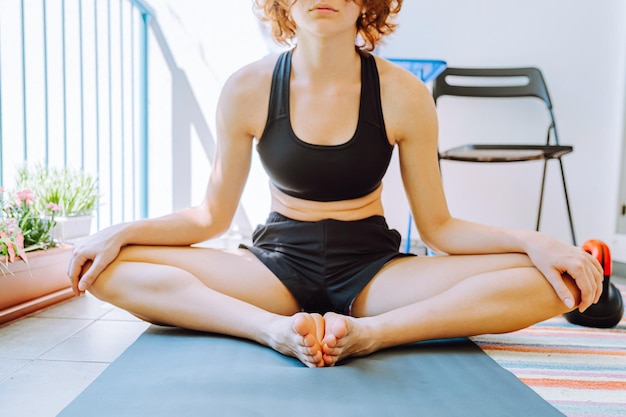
(25, 292)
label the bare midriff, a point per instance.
(310, 211)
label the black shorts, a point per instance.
(325, 264)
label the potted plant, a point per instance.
(74, 192)
(32, 265)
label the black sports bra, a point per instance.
(320, 172)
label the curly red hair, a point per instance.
(375, 22)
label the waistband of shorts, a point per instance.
(276, 217)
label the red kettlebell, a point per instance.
(608, 311)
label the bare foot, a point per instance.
(320, 327)
(344, 336)
(300, 337)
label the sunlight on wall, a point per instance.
(209, 41)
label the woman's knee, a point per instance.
(554, 304)
(107, 287)
(122, 278)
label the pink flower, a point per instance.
(54, 207)
(26, 196)
(11, 225)
(1, 190)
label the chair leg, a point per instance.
(569, 211)
(543, 186)
(407, 246)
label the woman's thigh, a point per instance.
(236, 273)
(409, 280)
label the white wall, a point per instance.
(208, 42)
(580, 45)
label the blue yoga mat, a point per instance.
(178, 373)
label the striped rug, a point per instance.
(581, 371)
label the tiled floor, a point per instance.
(47, 359)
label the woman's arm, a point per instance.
(237, 115)
(413, 126)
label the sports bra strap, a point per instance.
(279, 94)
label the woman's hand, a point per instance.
(91, 257)
(554, 258)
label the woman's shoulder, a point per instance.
(253, 77)
(245, 95)
(400, 81)
(408, 106)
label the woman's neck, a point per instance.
(319, 60)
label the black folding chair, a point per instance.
(492, 83)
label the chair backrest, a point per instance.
(484, 82)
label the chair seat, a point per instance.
(505, 83)
(504, 153)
